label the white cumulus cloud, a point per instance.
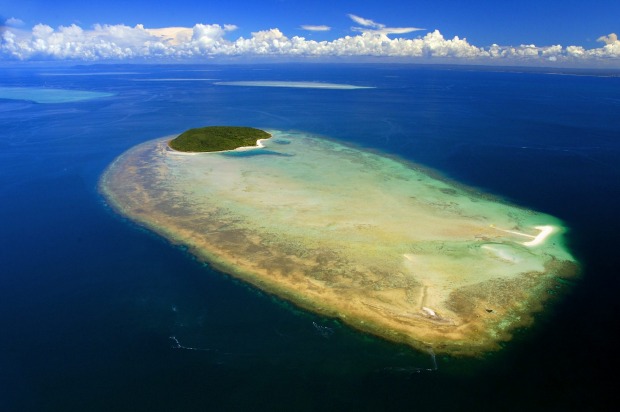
(610, 39)
(173, 35)
(120, 42)
(14, 22)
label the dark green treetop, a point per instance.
(217, 138)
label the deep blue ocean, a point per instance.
(89, 301)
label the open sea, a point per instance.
(99, 314)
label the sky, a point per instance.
(522, 32)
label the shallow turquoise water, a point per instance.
(48, 95)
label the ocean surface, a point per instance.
(99, 314)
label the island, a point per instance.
(384, 245)
(217, 138)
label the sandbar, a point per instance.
(298, 85)
(379, 243)
(174, 80)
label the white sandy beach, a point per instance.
(259, 145)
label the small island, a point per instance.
(371, 240)
(217, 138)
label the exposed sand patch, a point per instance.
(545, 231)
(298, 85)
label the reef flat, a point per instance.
(49, 95)
(374, 241)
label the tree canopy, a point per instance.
(217, 138)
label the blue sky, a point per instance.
(483, 23)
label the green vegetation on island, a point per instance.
(217, 138)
